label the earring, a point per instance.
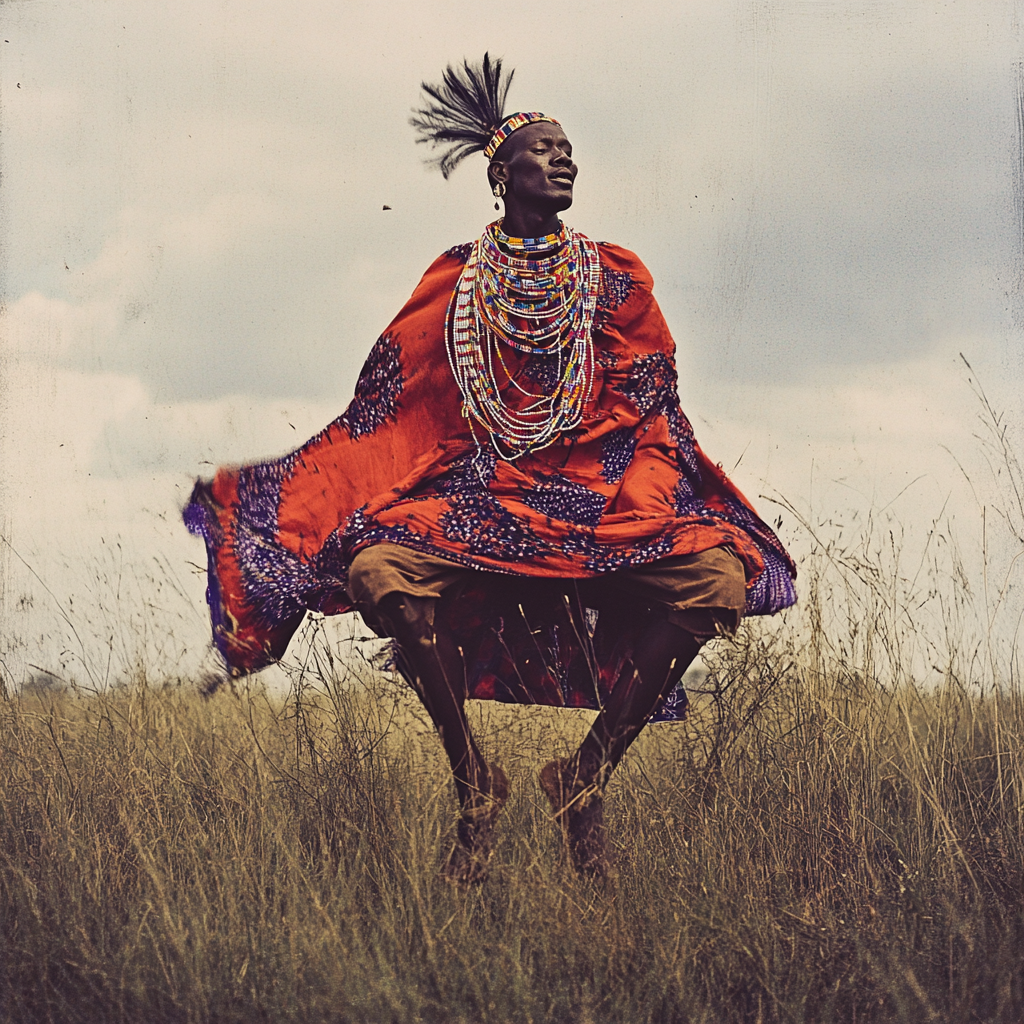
(498, 191)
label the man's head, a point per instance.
(536, 167)
(528, 152)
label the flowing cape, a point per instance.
(403, 465)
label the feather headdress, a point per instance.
(463, 111)
(466, 113)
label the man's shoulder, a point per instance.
(624, 279)
(459, 253)
(618, 260)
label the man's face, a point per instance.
(538, 168)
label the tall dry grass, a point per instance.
(813, 846)
(835, 835)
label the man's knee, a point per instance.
(364, 574)
(726, 579)
(372, 583)
(718, 601)
(384, 568)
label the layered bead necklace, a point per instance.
(542, 307)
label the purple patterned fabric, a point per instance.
(377, 389)
(651, 383)
(617, 453)
(563, 499)
(487, 528)
(774, 589)
(616, 286)
(460, 252)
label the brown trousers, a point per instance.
(703, 593)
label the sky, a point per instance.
(196, 256)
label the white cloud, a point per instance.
(96, 475)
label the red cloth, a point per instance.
(402, 465)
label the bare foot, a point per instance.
(579, 807)
(474, 835)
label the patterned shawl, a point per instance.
(402, 465)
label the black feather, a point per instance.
(463, 111)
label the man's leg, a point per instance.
(575, 786)
(434, 666)
(663, 652)
(714, 582)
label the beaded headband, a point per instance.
(511, 124)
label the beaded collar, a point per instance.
(544, 243)
(539, 306)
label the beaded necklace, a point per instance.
(542, 307)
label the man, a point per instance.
(513, 495)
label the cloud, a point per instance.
(901, 443)
(808, 184)
(98, 569)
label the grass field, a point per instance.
(814, 845)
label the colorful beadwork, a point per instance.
(545, 243)
(511, 124)
(541, 306)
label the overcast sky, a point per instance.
(196, 257)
